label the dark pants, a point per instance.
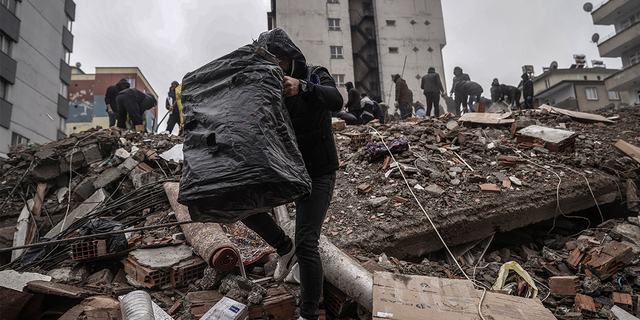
(173, 120)
(310, 213)
(461, 101)
(113, 118)
(357, 113)
(128, 105)
(528, 102)
(404, 111)
(516, 98)
(433, 99)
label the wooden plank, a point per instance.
(576, 114)
(628, 149)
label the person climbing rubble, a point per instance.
(465, 89)
(134, 103)
(512, 93)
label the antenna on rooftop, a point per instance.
(587, 7)
(554, 65)
(595, 37)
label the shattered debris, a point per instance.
(498, 191)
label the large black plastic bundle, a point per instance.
(240, 152)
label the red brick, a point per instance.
(88, 249)
(365, 189)
(489, 187)
(608, 259)
(399, 199)
(565, 285)
(574, 258)
(336, 301)
(571, 245)
(622, 300)
(145, 167)
(584, 304)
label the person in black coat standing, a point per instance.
(495, 90)
(432, 89)
(353, 103)
(110, 100)
(527, 91)
(310, 96)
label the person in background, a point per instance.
(179, 102)
(368, 107)
(404, 96)
(418, 109)
(353, 103)
(171, 103)
(512, 93)
(110, 100)
(495, 90)
(466, 88)
(527, 91)
(309, 101)
(459, 76)
(134, 103)
(432, 89)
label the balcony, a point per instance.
(620, 42)
(609, 11)
(624, 79)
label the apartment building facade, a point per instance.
(36, 43)
(87, 108)
(367, 41)
(624, 43)
(578, 89)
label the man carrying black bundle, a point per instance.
(310, 97)
(134, 103)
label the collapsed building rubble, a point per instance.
(478, 180)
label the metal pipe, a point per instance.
(339, 269)
(137, 305)
(91, 236)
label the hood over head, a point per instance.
(432, 70)
(525, 76)
(396, 77)
(278, 43)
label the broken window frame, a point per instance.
(336, 52)
(334, 24)
(591, 93)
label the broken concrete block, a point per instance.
(85, 188)
(585, 305)
(87, 206)
(107, 177)
(103, 276)
(141, 178)
(515, 181)
(17, 281)
(621, 314)
(378, 201)
(60, 274)
(164, 257)
(128, 165)
(91, 153)
(555, 139)
(46, 170)
(365, 189)
(122, 153)
(434, 190)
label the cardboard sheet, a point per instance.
(418, 297)
(628, 149)
(487, 118)
(576, 114)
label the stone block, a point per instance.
(91, 153)
(85, 188)
(140, 177)
(107, 177)
(128, 165)
(87, 206)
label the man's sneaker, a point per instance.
(285, 264)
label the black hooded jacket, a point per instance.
(310, 112)
(527, 86)
(431, 83)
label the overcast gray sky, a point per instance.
(168, 38)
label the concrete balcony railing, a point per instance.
(609, 11)
(620, 42)
(623, 79)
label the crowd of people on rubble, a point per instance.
(467, 93)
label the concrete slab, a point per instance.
(164, 257)
(87, 206)
(16, 280)
(92, 153)
(546, 134)
(107, 177)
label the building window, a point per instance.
(332, 1)
(391, 22)
(393, 49)
(592, 93)
(67, 56)
(613, 95)
(339, 78)
(626, 23)
(69, 24)
(547, 83)
(5, 44)
(3, 90)
(334, 24)
(336, 52)
(63, 89)
(634, 58)
(10, 4)
(18, 139)
(585, 77)
(598, 78)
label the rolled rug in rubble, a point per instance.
(208, 239)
